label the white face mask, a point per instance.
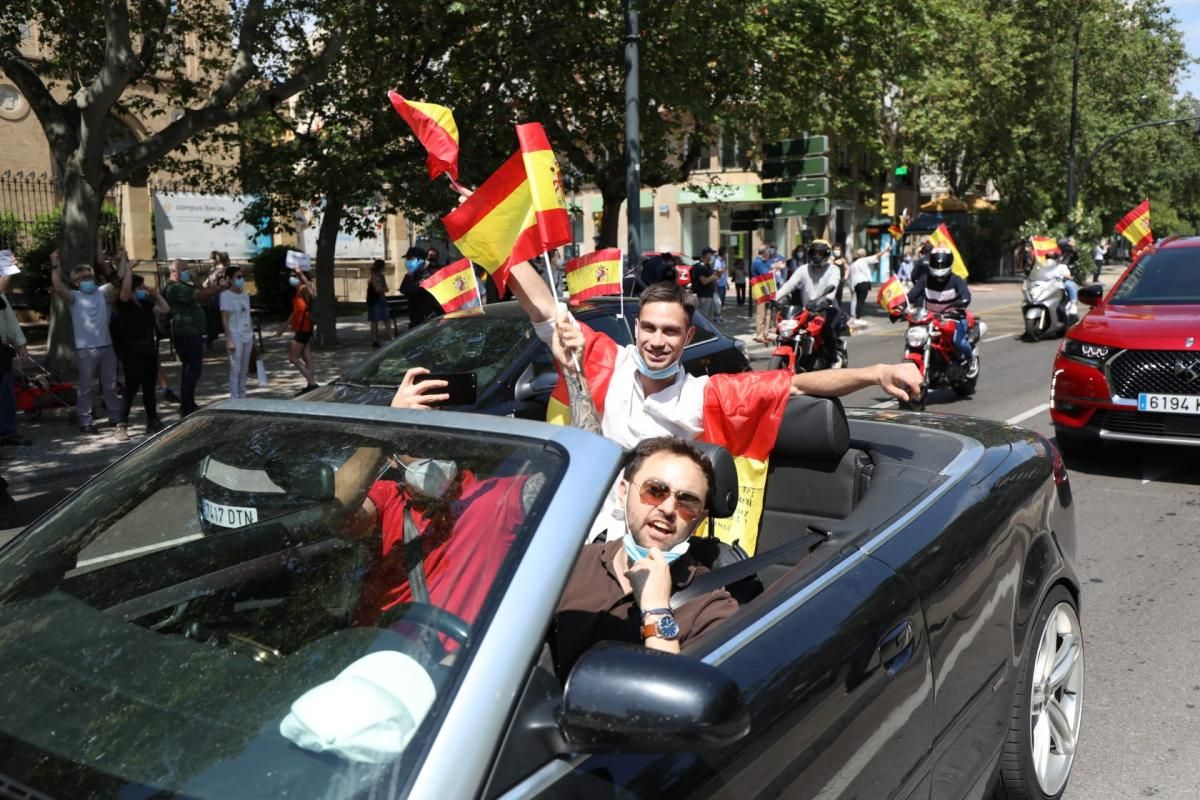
(429, 476)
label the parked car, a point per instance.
(191, 623)
(513, 370)
(1130, 370)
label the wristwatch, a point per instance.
(664, 627)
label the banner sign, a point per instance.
(185, 226)
(348, 246)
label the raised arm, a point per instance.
(126, 284)
(60, 288)
(899, 380)
(532, 292)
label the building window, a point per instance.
(695, 230)
(648, 229)
(734, 152)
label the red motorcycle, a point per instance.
(930, 344)
(799, 341)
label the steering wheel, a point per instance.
(429, 616)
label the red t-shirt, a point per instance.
(463, 546)
(301, 319)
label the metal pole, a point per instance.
(1072, 189)
(633, 148)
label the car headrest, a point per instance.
(813, 429)
(723, 494)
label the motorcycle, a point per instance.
(1045, 307)
(929, 343)
(799, 341)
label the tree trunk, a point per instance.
(331, 222)
(610, 224)
(77, 246)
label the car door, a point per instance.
(834, 667)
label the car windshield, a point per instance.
(259, 605)
(469, 343)
(1168, 277)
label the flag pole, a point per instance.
(478, 291)
(621, 294)
(557, 302)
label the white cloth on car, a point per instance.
(368, 713)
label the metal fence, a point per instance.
(31, 212)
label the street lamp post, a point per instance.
(633, 147)
(1072, 187)
(1111, 140)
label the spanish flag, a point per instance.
(942, 238)
(454, 286)
(434, 126)
(762, 288)
(594, 275)
(1044, 247)
(1135, 226)
(891, 294)
(517, 214)
(742, 413)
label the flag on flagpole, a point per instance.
(454, 286)
(517, 214)
(762, 288)
(1044, 247)
(891, 294)
(1135, 226)
(435, 128)
(593, 275)
(942, 238)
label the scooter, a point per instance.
(929, 343)
(1045, 308)
(799, 341)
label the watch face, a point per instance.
(668, 628)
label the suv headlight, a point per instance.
(1085, 353)
(916, 337)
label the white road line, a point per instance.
(87, 562)
(1008, 335)
(887, 404)
(1024, 415)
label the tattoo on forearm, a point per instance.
(583, 410)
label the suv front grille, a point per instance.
(1144, 423)
(1155, 371)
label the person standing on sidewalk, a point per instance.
(704, 284)
(239, 330)
(759, 267)
(739, 280)
(12, 347)
(860, 279)
(93, 343)
(722, 269)
(377, 306)
(187, 328)
(139, 347)
(1098, 253)
(301, 325)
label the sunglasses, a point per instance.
(654, 492)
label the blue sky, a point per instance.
(1188, 12)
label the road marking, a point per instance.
(887, 404)
(87, 562)
(1000, 336)
(1024, 415)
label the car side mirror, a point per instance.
(1091, 295)
(311, 480)
(626, 698)
(531, 387)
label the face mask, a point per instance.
(837, 253)
(294, 281)
(87, 287)
(636, 552)
(141, 294)
(239, 281)
(185, 275)
(654, 374)
(413, 264)
(431, 477)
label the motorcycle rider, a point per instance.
(1057, 270)
(818, 282)
(940, 291)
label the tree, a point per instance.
(203, 64)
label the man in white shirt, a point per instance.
(1098, 254)
(860, 279)
(239, 330)
(94, 353)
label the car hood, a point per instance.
(1162, 327)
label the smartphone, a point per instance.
(460, 386)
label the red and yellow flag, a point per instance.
(1135, 226)
(942, 238)
(1044, 247)
(517, 214)
(594, 275)
(762, 288)
(891, 294)
(434, 126)
(454, 286)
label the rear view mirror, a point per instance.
(626, 698)
(1091, 295)
(310, 480)
(531, 386)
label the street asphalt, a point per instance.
(1137, 512)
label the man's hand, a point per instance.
(410, 394)
(651, 580)
(901, 381)
(230, 345)
(568, 341)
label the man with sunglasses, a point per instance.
(621, 590)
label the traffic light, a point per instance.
(887, 204)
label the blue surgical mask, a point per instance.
(413, 264)
(185, 275)
(141, 294)
(668, 371)
(87, 287)
(239, 281)
(294, 281)
(636, 552)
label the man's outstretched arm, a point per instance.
(901, 381)
(532, 292)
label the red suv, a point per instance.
(1130, 370)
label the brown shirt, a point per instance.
(594, 608)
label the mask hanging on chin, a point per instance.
(430, 477)
(636, 552)
(668, 371)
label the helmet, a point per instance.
(941, 262)
(818, 251)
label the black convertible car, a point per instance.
(211, 618)
(513, 370)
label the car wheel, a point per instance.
(1047, 706)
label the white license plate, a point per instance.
(228, 516)
(1169, 403)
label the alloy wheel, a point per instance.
(1056, 699)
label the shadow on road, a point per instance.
(1156, 463)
